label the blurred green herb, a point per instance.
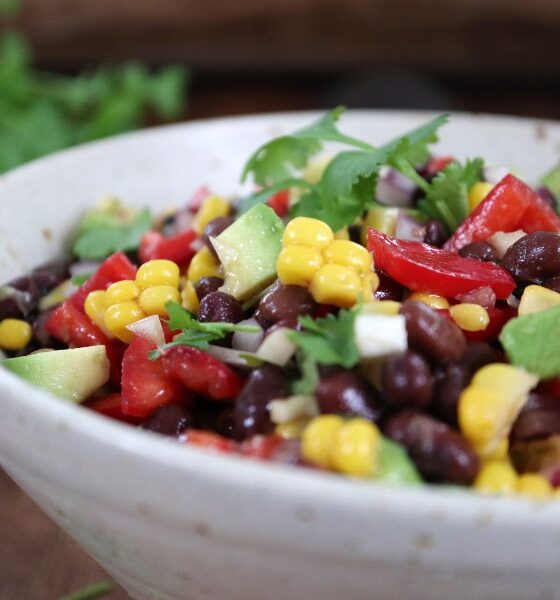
(90, 593)
(43, 112)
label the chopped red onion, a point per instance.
(408, 228)
(394, 188)
(484, 296)
(512, 301)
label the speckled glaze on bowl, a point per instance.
(174, 523)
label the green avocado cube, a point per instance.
(248, 250)
(72, 374)
(533, 342)
(394, 466)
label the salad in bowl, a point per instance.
(380, 312)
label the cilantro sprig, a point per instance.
(105, 237)
(196, 333)
(346, 188)
(447, 195)
(329, 340)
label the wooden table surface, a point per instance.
(38, 561)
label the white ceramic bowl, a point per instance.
(174, 523)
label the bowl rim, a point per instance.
(460, 504)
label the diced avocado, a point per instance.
(69, 374)
(248, 250)
(533, 342)
(394, 466)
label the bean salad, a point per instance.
(381, 313)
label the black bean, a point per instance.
(346, 393)
(388, 288)
(219, 307)
(439, 452)
(44, 338)
(224, 423)
(479, 251)
(407, 381)
(207, 285)
(250, 415)
(213, 229)
(539, 418)
(355, 233)
(432, 334)
(534, 258)
(455, 377)
(285, 302)
(552, 284)
(170, 419)
(435, 233)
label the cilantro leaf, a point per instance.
(309, 375)
(552, 181)
(328, 341)
(282, 157)
(447, 195)
(93, 591)
(195, 333)
(100, 241)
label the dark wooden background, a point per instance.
(255, 56)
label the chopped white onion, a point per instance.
(247, 341)
(501, 240)
(394, 188)
(276, 348)
(84, 267)
(379, 335)
(494, 173)
(285, 410)
(408, 228)
(512, 301)
(149, 328)
(229, 355)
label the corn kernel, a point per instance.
(496, 477)
(292, 430)
(470, 317)
(297, 265)
(318, 438)
(337, 285)
(348, 254)
(95, 306)
(203, 264)
(121, 291)
(153, 299)
(370, 283)
(157, 272)
(431, 300)
(384, 307)
(118, 316)
(211, 208)
(15, 334)
(534, 486)
(304, 231)
(477, 193)
(342, 234)
(355, 448)
(537, 298)
(189, 298)
(382, 219)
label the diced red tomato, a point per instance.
(145, 385)
(210, 441)
(280, 203)
(70, 325)
(115, 268)
(177, 248)
(437, 164)
(202, 373)
(498, 318)
(424, 268)
(510, 205)
(111, 406)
